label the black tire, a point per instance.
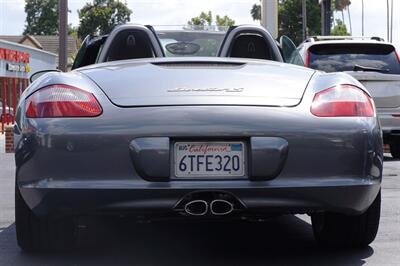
(41, 234)
(395, 149)
(339, 230)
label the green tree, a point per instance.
(224, 21)
(256, 12)
(290, 19)
(340, 5)
(73, 31)
(41, 17)
(340, 29)
(204, 19)
(101, 16)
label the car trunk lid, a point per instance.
(213, 82)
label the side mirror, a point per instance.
(289, 52)
(38, 74)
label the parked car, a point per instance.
(238, 135)
(373, 62)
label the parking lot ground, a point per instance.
(286, 240)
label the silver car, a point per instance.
(235, 136)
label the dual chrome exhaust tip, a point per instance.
(221, 207)
(216, 207)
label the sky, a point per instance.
(178, 12)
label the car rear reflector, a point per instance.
(342, 101)
(62, 101)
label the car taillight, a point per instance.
(342, 100)
(62, 101)
(307, 59)
(397, 55)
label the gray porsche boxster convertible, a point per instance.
(195, 124)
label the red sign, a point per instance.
(14, 56)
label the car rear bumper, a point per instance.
(124, 160)
(344, 195)
(391, 135)
(390, 125)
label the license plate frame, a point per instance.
(215, 174)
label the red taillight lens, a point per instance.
(342, 100)
(307, 59)
(62, 101)
(397, 55)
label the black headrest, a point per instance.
(250, 46)
(130, 44)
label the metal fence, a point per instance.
(10, 92)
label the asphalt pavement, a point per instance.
(286, 240)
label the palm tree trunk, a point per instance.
(348, 12)
(387, 20)
(362, 17)
(391, 23)
(304, 15)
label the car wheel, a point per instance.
(339, 230)
(395, 149)
(41, 233)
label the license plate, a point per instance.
(209, 159)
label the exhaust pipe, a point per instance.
(221, 207)
(196, 207)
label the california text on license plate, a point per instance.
(207, 159)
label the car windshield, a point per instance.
(191, 40)
(348, 57)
